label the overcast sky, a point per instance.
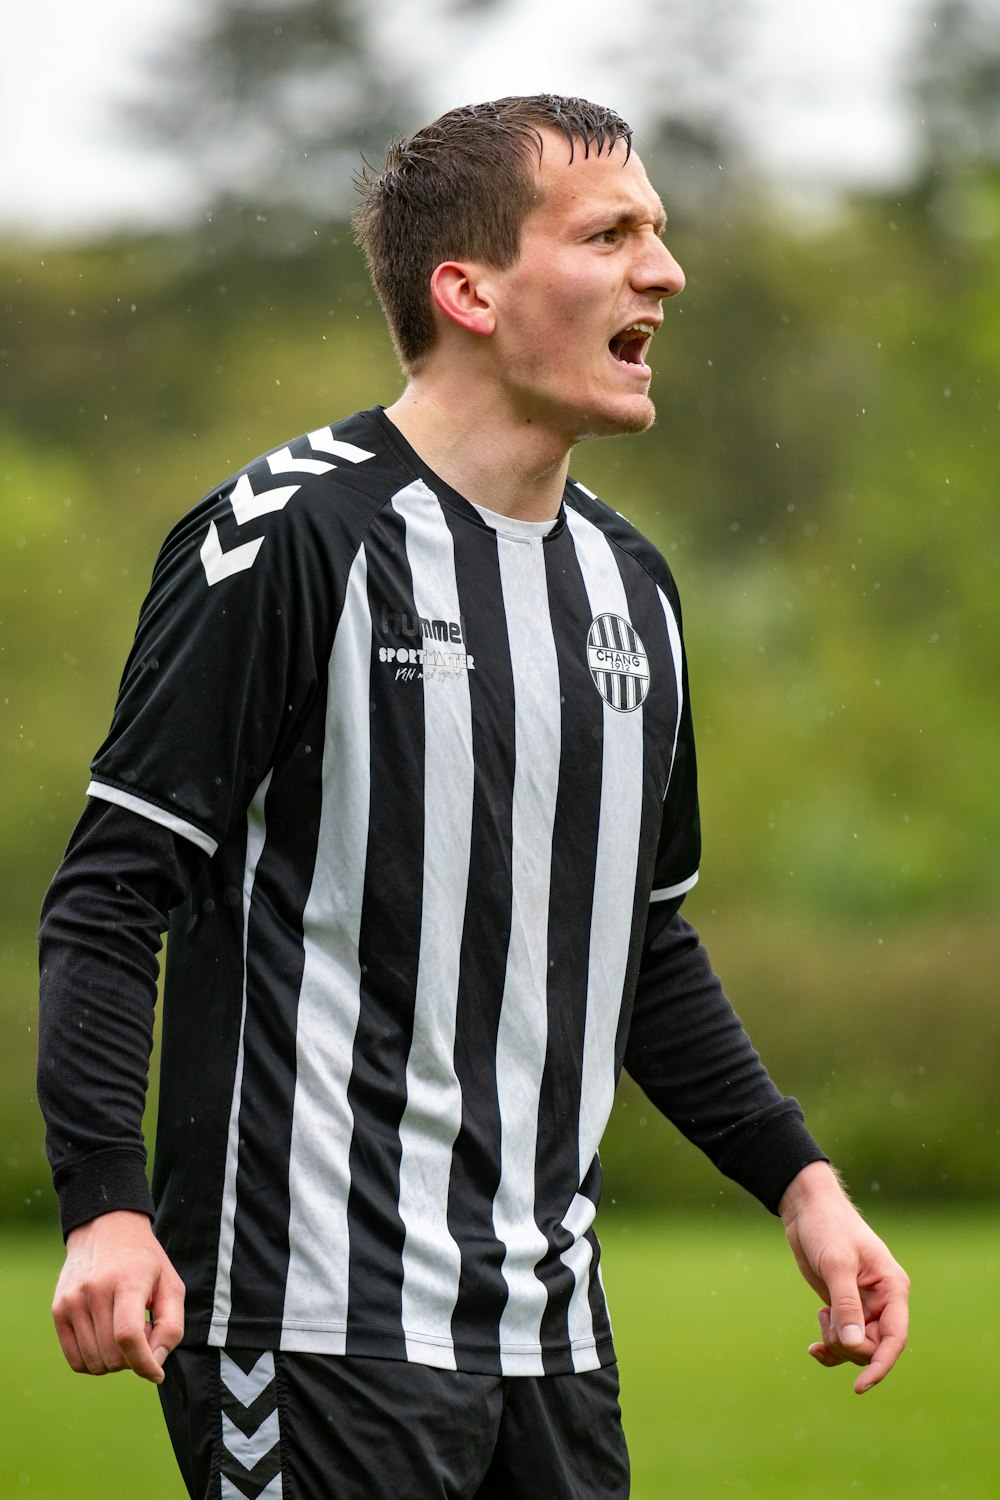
(829, 110)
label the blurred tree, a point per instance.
(274, 101)
(684, 66)
(956, 94)
(957, 84)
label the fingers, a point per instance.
(69, 1344)
(84, 1325)
(882, 1361)
(878, 1351)
(893, 1330)
(833, 1350)
(131, 1345)
(102, 1327)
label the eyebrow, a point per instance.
(631, 218)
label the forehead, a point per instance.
(575, 188)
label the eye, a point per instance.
(606, 237)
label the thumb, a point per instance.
(847, 1319)
(166, 1326)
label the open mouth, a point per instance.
(629, 347)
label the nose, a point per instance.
(658, 272)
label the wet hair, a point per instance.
(460, 189)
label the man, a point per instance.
(404, 748)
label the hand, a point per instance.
(864, 1290)
(115, 1271)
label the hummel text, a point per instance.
(398, 622)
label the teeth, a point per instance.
(649, 328)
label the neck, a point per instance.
(509, 465)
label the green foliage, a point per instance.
(886, 1032)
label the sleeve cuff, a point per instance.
(101, 1184)
(775, 1153)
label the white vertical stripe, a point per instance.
(523, 1027)
(614, 879)
(579, 1258)
(223, 1302)
(674, 636)
(433, 1113)
(330, 998)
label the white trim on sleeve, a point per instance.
(668, 892)
(154, 814)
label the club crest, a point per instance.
(618, 663)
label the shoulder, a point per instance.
(324, 485)
(622, 535)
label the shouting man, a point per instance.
(403, 757)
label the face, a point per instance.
(576, 312)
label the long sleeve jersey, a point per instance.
(415, 787)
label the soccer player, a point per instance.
(403, 756)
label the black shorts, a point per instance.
(246, 1424)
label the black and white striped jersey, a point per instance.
(440, 769)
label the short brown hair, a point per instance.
(460, 189)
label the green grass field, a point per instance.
(720, 1398)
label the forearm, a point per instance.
(690, 1054)
(99, 940)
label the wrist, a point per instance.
(117, 1220)
(814, 1182)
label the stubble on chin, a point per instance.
(639, 418)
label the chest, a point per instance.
(549, 660)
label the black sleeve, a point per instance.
(689, 1053)
(100, 934)
(678, 853)
(232, 642)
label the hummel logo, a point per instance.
(248, 504)
(430, 651)
(397, 622)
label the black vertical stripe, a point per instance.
(197, 1071)
(275, 961)
(388, 951)
(574, 861)
(659, 710)
(475, 1175)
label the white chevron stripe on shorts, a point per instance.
(246, 1387)
(249, 1451)
(250, 1429)
(230, 1491)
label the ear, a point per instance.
(458, 292)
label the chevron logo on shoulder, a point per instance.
(251, 1436)
(249, 503)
